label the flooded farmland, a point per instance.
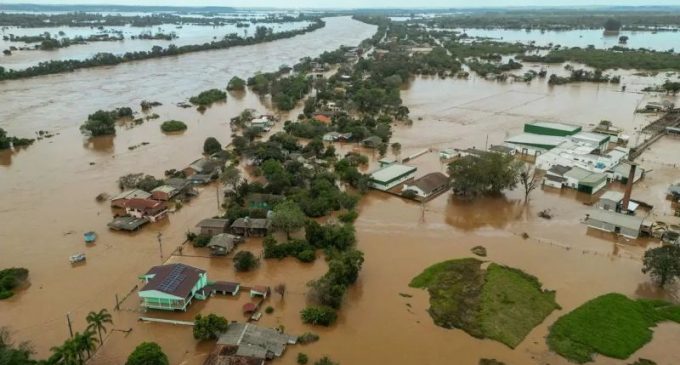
(48, 195)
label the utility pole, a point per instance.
(160, 245)
(217, 195)
(486, 144)
(68, 321)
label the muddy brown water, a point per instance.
(48, 195)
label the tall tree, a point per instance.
(231, 177)
(662, 264)
(487, 173)
(288, 217)
(97, 321)
(211, 146)
(86, 342)
(209, 327)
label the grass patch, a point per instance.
(612, 325)
(499, 303)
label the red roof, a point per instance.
(143, 204)
(249, 308)
(322, 118)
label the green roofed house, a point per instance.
(172, 287)
(389, 176)
(551, 129)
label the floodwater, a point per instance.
(660, 41)
(49, 189)
(187, 35)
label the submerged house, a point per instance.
(251, 226)
(626, 225)
(247, 344)
(164, 193)
(429, 185)
(153, 210)
(119, 200)
(222, 244)
(387, 177)
(172, 287)
(213, 226)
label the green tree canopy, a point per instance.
(489, 173)
(288, 217)
(209, 327)
(211, 146)
(236, 84)
(244, 261)
(662, 264)
(147, 353)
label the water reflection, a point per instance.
(6, 157)
(496, 212)
(103, 144)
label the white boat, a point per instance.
(79, 257)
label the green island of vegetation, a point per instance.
(9, 141)
(500, 303)
(612, 325)
(173, 126)
(206, 98)
(103, 122)
(10, 279)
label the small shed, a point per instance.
(223, 288)
(213, 226)
(260, 291)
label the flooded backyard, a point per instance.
(49, 194)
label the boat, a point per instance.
(79, 257)
(90, 237)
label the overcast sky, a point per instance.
(355, 3)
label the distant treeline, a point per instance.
(33, 20)
(262, 34)
(115, 8)
(554, 19)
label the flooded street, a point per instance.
(49, 194)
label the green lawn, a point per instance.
(499, 303)
(612, 325)
(512, 304)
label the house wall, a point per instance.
(609, 227)
(552, 184)
(607, 204)
(384, 186)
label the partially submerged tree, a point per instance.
(529, 180)
(662, 264)
(488, 173)
(236, 84)
(244, 261)
(209, 327)
(211, 146)
(97, 321)
(147, 353)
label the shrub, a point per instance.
(201, 241)
(236, 83)
(173, 126)
(269, 310)
(349, 216)
(308, 337)
(302, 358)
(318, 315)
(147, 353)
(244, 261)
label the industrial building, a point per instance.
(387, 177)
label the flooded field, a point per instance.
(187, 35)
(659, 41)
(49, 194)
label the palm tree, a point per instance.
(66, 354)
(97, 322)
(85, 341)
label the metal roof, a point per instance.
(536, 139)
(173, 279)
(617, 219)
(556, 125)
(577, 173)
(615, 196)
(392, 172)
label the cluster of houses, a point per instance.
(398, 178)
(225, 235)
(573, 158)
(135, 207)
(248, 344)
